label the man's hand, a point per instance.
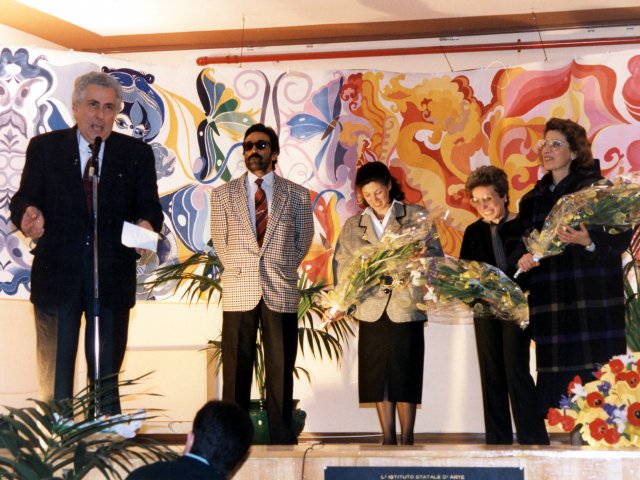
(32, 224)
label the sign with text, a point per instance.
(423, 473)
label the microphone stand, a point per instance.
(94, 175)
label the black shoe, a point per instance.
(409, 441)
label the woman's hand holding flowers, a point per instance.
(527, 262)
(332, 315)
(578, 236)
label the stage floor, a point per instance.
(315, 452)
(308, 460)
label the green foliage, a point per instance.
(198, 273)
(631, 292)
(320, 341)
(41, 442)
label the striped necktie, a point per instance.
(262, 211)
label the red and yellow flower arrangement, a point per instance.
(607, 410)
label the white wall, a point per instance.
(167, 338)
(11, 36)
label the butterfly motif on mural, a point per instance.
(220, 106)
(321, 118)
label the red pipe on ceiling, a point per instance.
(439, 49)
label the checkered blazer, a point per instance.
(270, 272)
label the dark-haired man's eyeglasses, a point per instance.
(260, 145)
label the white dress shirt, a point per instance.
(85, 154)
(379, 225)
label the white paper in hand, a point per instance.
(137, 237)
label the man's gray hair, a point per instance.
(96, 78)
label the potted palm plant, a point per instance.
(198, 276)
(61, 440)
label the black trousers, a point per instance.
(57, 334)
(280, 340)
(503, 356)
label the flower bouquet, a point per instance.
(615, 207)
(606, 409)
(480, 286)
(392, 256)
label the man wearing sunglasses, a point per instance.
(261, 227)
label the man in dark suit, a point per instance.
(262, 228)
(216, 448)
(53, 208)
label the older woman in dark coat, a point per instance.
(576, 300)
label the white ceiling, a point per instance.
(136, 17)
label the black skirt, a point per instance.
(391, 358)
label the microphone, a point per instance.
(95, 151)
(97, 142)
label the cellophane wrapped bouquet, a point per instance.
(607, 409)
(393, 256)
(614, 206)
(454, 284)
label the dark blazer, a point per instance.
(184, 468)
(477, 245)
(52, 182)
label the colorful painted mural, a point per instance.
(431, 129)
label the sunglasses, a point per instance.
(553, 144)
(260, 145)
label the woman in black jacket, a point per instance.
(503, 347)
